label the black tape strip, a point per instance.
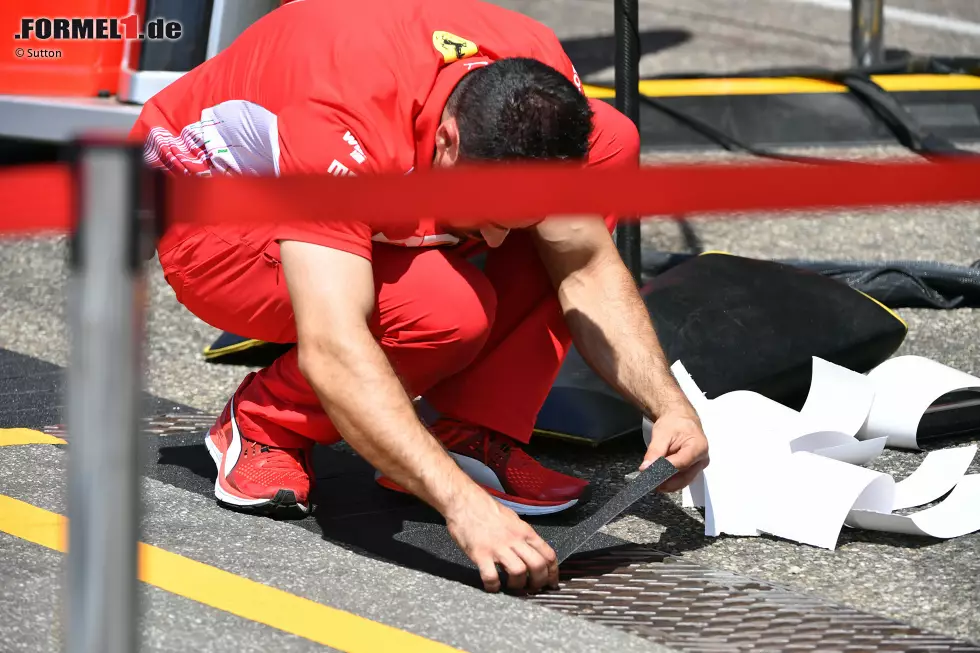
(645, 482)
(566, 541)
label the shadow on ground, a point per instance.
(353, 511)
(595, 53)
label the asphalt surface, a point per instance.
(30, 606)
(284, 556)
(930, 584)
(717, 36)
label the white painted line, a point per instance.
(910, 16)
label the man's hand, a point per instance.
(611, 328)
(332, 293)
(678, 436)
(490, 533)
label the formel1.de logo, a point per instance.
(97, 29)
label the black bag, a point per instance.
(737, 324)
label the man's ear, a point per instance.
(447, 144)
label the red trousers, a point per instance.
(480, 346)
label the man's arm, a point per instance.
(337, 352)
(611, 328)
(361, 393)
(353, 378)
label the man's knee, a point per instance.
(440, 303)
(465, 310)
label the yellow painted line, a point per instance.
(10, 437)
(787, 85)
(232, 349)
(33, 524)
(233, 594)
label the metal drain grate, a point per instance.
(173, 424)
(179, 424)
(698, 610)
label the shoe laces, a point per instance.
(276, 458)
(495, 447)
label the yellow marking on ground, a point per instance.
(33, 524)
(232, 349)
(787, 85)
(10, 437)
(225, 591)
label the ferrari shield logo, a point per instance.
(452, 47)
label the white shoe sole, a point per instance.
(485, 477)
(226, 463)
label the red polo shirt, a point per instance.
(327, 86)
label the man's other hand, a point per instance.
(678, 436)
(490, 534)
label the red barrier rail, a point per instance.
(41, 198)
(511, 193)
(36, 198)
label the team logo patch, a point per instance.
(452, 47)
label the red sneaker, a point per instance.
(498, 464)
(257, 478)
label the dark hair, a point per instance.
(519, 108)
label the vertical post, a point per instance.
(867, 31)
(104, 380)
(626, 19)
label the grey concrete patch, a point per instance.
(961, 9)
(31, 611)
(300, 562)
(33, 286)
(30, 606)
(173, 623)
(734, 36)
